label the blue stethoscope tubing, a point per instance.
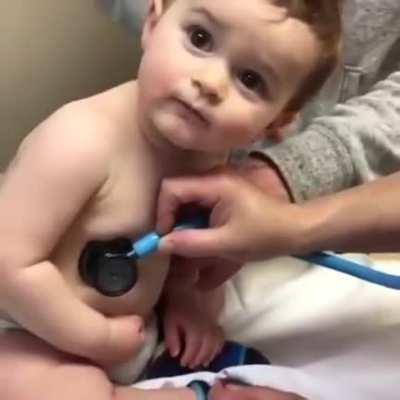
(352, 268)
(149, 243)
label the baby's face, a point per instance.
(214, 77)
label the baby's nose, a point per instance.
(213, 84)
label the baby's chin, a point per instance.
(181, 139)
(185, 134)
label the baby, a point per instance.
(213, 77)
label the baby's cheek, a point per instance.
(153, 79)
(157, 73)
(242, 131)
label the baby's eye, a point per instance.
(200, 38)
(252, 81)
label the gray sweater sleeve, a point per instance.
(357, 142)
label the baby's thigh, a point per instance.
(30, 369)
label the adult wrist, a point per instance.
(302, 231)
(272, 172)
(313, 163)
(319, 224)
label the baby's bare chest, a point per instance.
(126, 204)
(125, 207)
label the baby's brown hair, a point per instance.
(325, 19)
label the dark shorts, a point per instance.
(233, 354)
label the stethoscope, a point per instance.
(111, 267)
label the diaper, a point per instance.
(130, 371)
(6, 325)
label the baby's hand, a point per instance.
(66, 322)
(124, 337)
(191, 334)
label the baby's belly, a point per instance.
(140, 300)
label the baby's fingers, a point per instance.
(217, 349)
(211, 346)
(193, 342)
(204, 354)
(126, 335)
(172, 339)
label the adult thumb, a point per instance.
(194, 243)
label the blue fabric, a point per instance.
(233, 354)
(201, 389)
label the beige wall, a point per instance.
(53, 51)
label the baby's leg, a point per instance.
(30, 369)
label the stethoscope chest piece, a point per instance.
(110, 266)
(106, 266)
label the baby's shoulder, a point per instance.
(80, 136)
(78, 127)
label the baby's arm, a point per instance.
(190, 320)
(57, 170)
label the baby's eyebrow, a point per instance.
(210, 16)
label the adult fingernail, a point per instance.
(165, 245)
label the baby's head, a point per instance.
(221, 74)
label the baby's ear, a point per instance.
(276, 130)
(156, 8)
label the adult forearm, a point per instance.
(358, 142)
(365, 218)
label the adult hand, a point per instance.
(203, 273)
(209, 273)
(245, 223)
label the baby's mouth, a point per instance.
(192, 110)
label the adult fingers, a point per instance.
(195, 243)
(176, 192)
